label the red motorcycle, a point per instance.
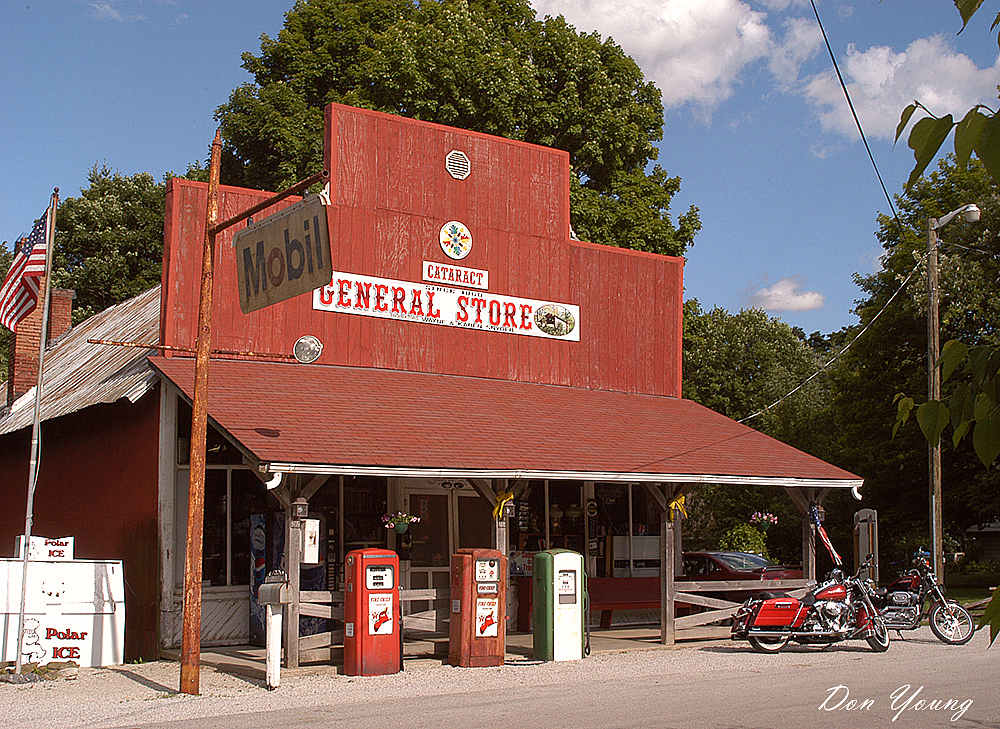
(902, 604)
(840, 608)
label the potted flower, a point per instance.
(399, 520)
(763, 520)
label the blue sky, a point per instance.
(756, 125)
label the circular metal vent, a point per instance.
(307, 349)
(457, 164)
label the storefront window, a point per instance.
(559, 520)
(364, 505)
(231, 496)
(215, 551)
(628, 525)
(620, 535)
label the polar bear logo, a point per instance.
(31, 649)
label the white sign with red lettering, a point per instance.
(380, 614)
(74, 611)
(448, 275)
(487, 620)
(49, 549)
(386, 298)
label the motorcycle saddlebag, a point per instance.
(780, 612)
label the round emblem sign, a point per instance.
(554, 320)
(456, 240)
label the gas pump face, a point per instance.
(487, 583)
(566, 587)
(379, 577)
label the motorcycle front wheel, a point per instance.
(954, 629)
(879, 639)
(768, 645)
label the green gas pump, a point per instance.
(559, 606)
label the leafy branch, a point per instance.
(978, 131)
(974, 405)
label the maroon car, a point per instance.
(703, 566)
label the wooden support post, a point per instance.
(667, 558)
(293, 549)
(272, 650)
(502, 544)
(669, 542)
(808, 548)
(502, 534)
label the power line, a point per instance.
(892, 208)
(837, 356)
(853, 112)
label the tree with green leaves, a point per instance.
(109, 240)
(978, 132)
(740, 365)
(892, 356)
(485, 65)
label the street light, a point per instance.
(971, 215)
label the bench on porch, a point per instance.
(608, 594)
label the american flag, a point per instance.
(19, 293)
(814, 513)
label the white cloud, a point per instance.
(698, 52)
(107, 10)
(785, 295)
(881, 82)
(783, 4)
(694, 50)
(801, 41)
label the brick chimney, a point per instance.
(24, 347)
(60, 312)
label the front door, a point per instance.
(452, 516)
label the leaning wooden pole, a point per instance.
(191, 632)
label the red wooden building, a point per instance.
(471, 347)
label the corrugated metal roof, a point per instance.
(78, 374)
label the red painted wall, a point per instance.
(391, 194)
(97, 482)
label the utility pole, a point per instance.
(934, 393)
(191, 626)
(970, 213)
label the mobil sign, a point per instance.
(283, 255)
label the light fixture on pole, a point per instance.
(971, 215)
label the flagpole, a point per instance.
(50, 234)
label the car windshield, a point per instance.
(744, 561)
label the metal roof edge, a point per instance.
(684, 478)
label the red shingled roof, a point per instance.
(323, 419)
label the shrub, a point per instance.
(744, 538)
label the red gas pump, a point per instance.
(478, 632)
(372, 615)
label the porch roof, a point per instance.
(296, 418)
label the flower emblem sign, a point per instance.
(456, 240)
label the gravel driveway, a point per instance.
(143, 694)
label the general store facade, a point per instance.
(474, 353)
